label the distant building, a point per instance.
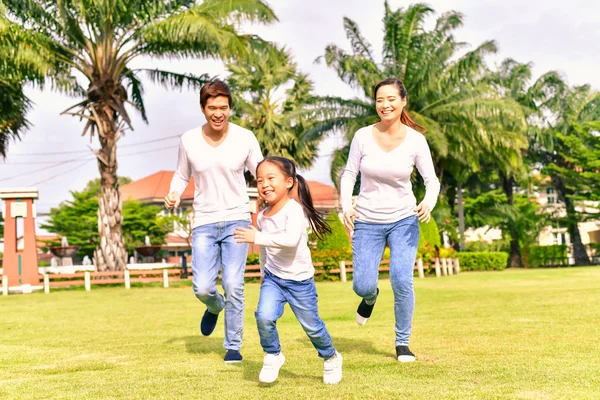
(153, 188)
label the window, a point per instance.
(551, 200)
(550, 191)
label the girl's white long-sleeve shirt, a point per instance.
(283, 241)
(386, 194)
(220, 192)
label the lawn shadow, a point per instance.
(252, 370)
(200, 344)
(347, 345)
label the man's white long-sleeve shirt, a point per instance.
(220, 192)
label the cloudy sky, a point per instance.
(553, 35)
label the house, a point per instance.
(152, 189)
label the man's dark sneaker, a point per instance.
(208, 323)
(363, 313)
(403, 354)
(233, 356)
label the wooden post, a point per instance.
(127, 279)
(444, 267)
(456, 266)
(87, 281)
(4, 285)
(420, 268)
(343, 271)
(46, 284)
(166, 278)
(438, 273)
(450, 267)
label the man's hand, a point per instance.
(172, 200)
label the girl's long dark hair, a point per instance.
(317, 222)
(404, 117)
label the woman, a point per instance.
(386, 210)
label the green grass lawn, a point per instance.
(525, 334)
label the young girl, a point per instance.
(286, 265)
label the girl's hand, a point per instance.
(245, 235)
(423, 212)
(349, 217)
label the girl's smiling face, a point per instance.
(272, 184)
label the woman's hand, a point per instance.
(245, 235)
(423, 212)
(349, 217)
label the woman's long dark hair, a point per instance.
(404, 117)
(317, 222)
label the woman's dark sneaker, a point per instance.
(404, 355)
(363, 313)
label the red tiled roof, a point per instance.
(156, 187)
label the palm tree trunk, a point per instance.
(515, 250)
(461, 217)
(110, 255)
(564, 194)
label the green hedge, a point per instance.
(547, 255)
(337, 239)
(482, 261)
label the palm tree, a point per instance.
(572, 160)
(22, 60)
(277, 116)
(513, 80)
(445, 93)
(99, 39)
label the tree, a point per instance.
(513, 80)
(77, 220)
(100, 39)
(23, 59)
(445, 92)
(572, 159)
(277, 116)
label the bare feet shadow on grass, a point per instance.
(347, 345)
(200, 344)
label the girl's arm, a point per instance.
(295, 225)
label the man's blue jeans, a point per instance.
(302, 298)
(368, 244)
(213, 246)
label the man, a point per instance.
(215, 155)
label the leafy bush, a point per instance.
(337, 239)
(482, 261)
(252, 259)
(481, 246)
(547, 255)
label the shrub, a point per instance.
(430, 234)
(482, 261)
(337, 239)
(547, 255)
(252, 259)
